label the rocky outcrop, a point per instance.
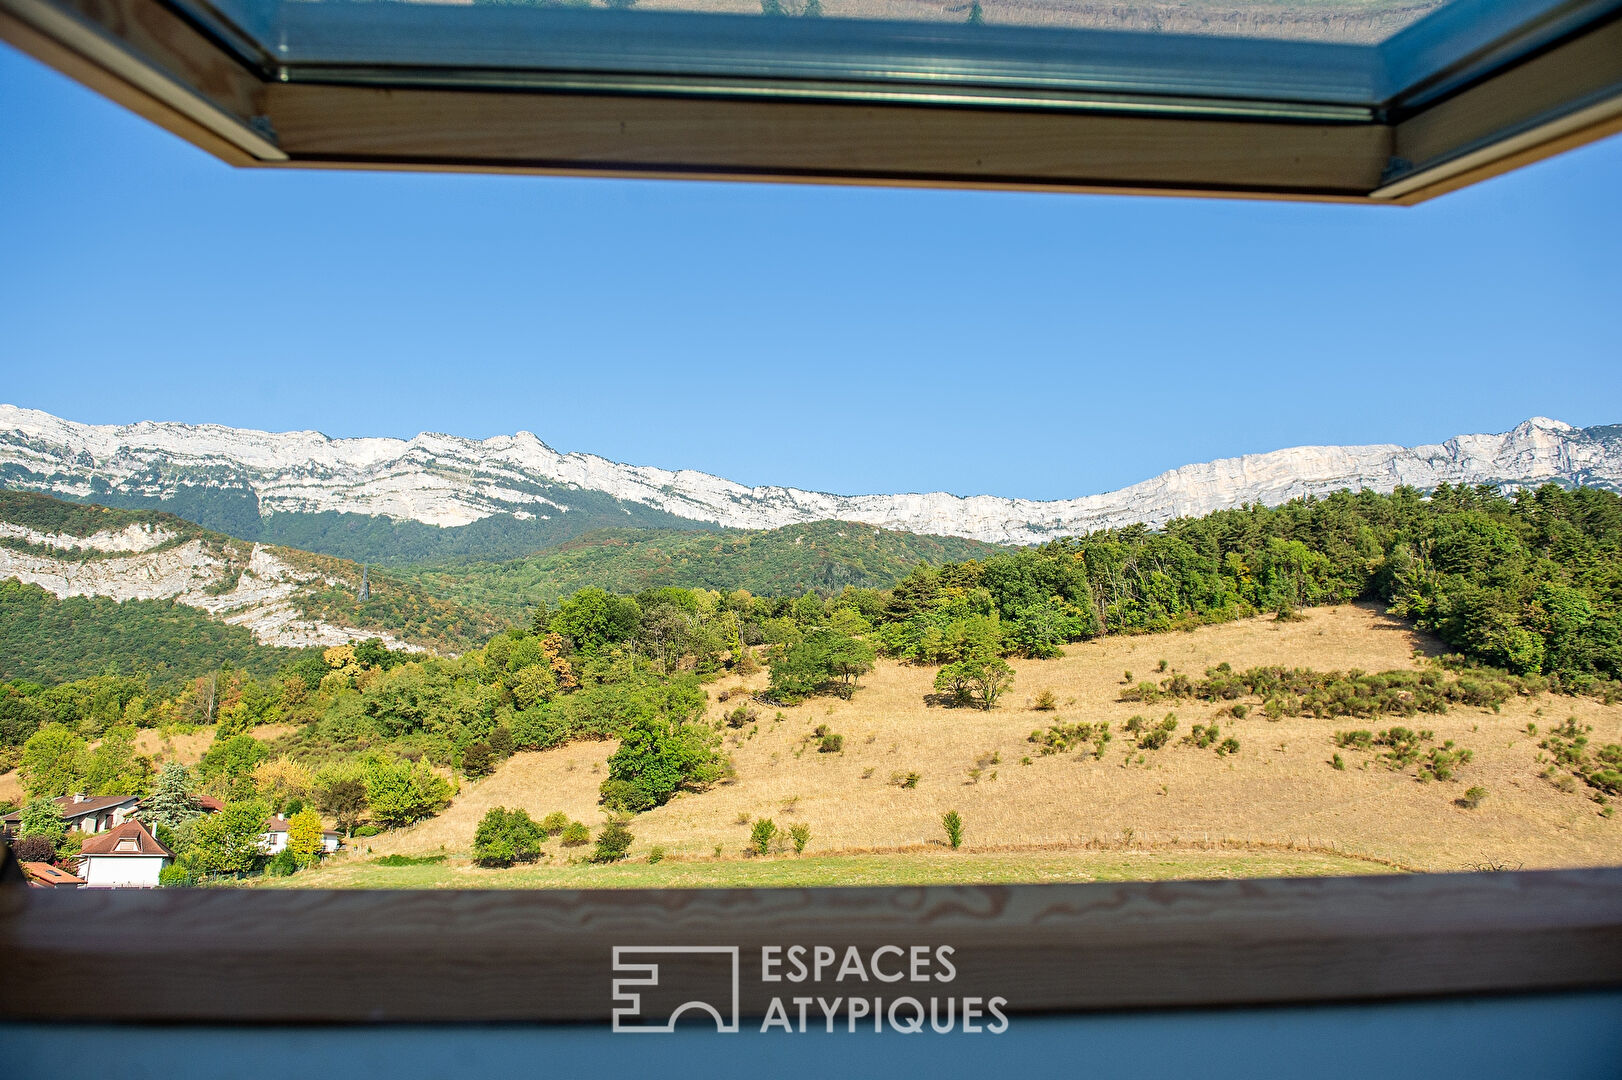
(251, 586)
(444, 480)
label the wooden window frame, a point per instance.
(144, 55)
(293, 956)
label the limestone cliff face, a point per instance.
(444, 480)
(249, 585)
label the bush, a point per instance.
(479, 759)
(283, 864)
(831, 744)
(1240, 711)
(657, 758)
(408, 860)
(954, 828)
(505, 837)
(613, 842)
(656, 854)
(1045, 702)
(905, 779)
(175, 876)
(575, 834)
(1473, 797)
(554, 823)
(801, 835)
(762, 835)
(1337, 763)
(404, 792)
(34, 848)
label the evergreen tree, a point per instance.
(170, 804)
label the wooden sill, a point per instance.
(230, 956)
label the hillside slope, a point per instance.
(438, 496)
(1279, 791)
(824, 557)
(284, 597)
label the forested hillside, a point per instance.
(281, 596)
(822, 557)
(47, 640)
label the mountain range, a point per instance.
(436, 497)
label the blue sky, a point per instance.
(838, 339)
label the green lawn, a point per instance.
(923, 868)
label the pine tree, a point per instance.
(170, 803)
(977, 15)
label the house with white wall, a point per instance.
(274, 839)
(125, 857)
(86, 813)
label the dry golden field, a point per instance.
(1277, 795)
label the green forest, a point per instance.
(822, 557)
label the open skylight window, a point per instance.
(1379, 99)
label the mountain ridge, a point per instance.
(517, 482)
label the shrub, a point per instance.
(613, 842)
(831, 744)
(953, 823)
(34, 848)
(1337, 763)
(505, 837)
(403, 792)
(1230, 745)
(1061, 737)
(742, 716)
(479, 759)
(408, 860)
(175, 876)
(657, 758)
(801, 835)
(1240, 711)
(554, 823)
(1473, 797)
(1045, 702)
(905, 779)
(656, 854)
(761, 836)
(368, 830)
(1153, 738)
(283, 864)
(1354, 740)
(575, 834)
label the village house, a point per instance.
(274, 839)
(128, 856)
(85, 813)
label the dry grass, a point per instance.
(1278, 794)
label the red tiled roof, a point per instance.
(108, 843)
(207, 803)
(48, 876)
